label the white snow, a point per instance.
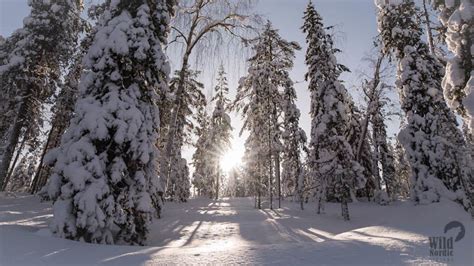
(231, 231)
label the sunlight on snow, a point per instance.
(209, 235)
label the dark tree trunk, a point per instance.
(12, 142)
(12, 168)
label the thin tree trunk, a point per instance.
(376, 156)
(345, 209)
(270, 175)
(217, 181)
(35, 185)
(277, 157)
(320, 205)
(428, 29)
(299, 187)
(259, 185)
(301, 202)
(344, 205)
(321, 197)
(277, 173)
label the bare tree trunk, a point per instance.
(320, 205)
(371, 95)
(344, 205)
(300, 188)
(36, 183)
(277, 173)
(301, 202)
(259, 185)
(321, 196)
(277, 156)
(12, 168)
(428, 29)
(345, 209)
(12, 142)
(217, 181)
(270, 164)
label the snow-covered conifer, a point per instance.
(30, 66)
(432, 141)
(104, 183)
(203, 180)
(332, 162)
(294, 141)
(259, 98)
(220, 127)
(458, 83)
(402, 169)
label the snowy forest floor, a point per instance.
(232, 231)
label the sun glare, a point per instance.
(231, 159)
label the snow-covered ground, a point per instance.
(231, 231)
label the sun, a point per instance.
(231, 159)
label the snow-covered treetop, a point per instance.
(50, 31)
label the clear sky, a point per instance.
(356, 26)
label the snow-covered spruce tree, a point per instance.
(402, 169)
(192, 99)
(458, 83)
(259, 97)
(104, 182)
(252, 160)
(220, 127)
(247, 103)
(250, 90)
(432, 141)
(29, 71)
(202, 175)
(332, 162)
(294, 141)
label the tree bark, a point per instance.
(259, 185)
(270, 163)
(277, 158)
(36, 183)
(12, 168)
(12, 142)
(428, 29)
(217, 181)
(371, 95)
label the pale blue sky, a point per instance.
(355, 22)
